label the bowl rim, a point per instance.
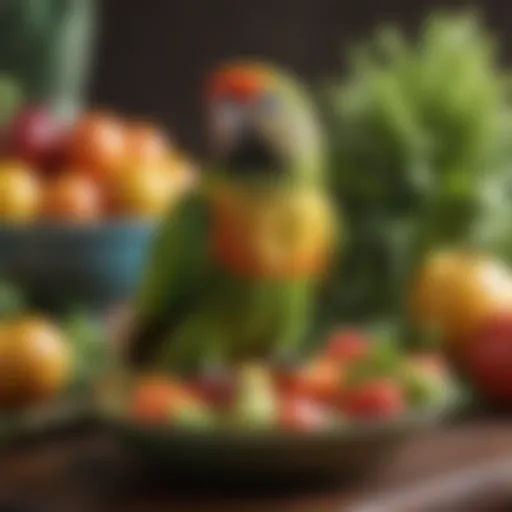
(78, 227)
(350, 431)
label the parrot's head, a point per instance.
(262, 126)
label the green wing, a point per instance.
(177, 274)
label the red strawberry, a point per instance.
(347, 346)
(375, 400)
(489, 359)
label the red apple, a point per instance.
(489, 359)
(35, 136)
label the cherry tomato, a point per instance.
(375, 400)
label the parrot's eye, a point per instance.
(226, 116)
(227, 110)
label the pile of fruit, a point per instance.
(353, 380)
(466, 298)
(100, 167)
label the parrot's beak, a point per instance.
(241, 142)
(252, 152)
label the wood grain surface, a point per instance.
(88, 472)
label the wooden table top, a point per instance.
(86, 472)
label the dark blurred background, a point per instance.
(152, 55)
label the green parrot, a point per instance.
(236, 266)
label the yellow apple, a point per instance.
(457, 291)
(145, 192)
(19, 193)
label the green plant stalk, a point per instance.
(46, 48)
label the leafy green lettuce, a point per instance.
(420, 132)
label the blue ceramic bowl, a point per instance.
(88, 266)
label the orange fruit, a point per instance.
(147, 145)
(144, 192)
(73, 198)
(35, 361)
(97, 145)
